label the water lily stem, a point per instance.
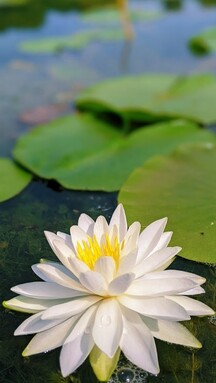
(125, 18)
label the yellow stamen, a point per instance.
(90, 251)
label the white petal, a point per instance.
(106, 267)
(78, 345)
(51, 237)
(192, 306)
(175, 274)
(119, 219)
(130, 241)
(155, 307)
(108, 326)
(35, 324)
(150, 237)
(195, 291)
(127, 263)
(64, 253)
(163, 241)
(77, 235)
(66, 238)
(172, 332)
(50, 339)
(138, 344)
(94, 282)
(78, 266)
(160, 287)
(45, 290)
(100, 228)
(30, 305)
(86, 223)
(155, 260)
(58, 276)
(65, 310)
(120, 284)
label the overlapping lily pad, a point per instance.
(77, 41)
(205, 42)
(81, 152)
(182, 187)
(13, 179)
(154, 97)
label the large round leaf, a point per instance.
(81, 152)
(205, 42)
(153, 97)
(13, 179)
(182, 187)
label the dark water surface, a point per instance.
(28, 81)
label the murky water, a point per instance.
(28, 81)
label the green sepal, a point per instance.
(102, 365)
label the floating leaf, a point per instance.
(112, 15)
(77, 41)
(44, 113)
(153, 97)
(81, 152)
(13, 179)
(182, 187)
(205, 42)
(12, 3)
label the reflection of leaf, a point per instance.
(81, 152)
(111, 16)
(42, 114)
(182, 187)
(75, 72)
(77, 41)
(205, 42)
(152, 97)
(13, 179)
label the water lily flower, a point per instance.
(109, 292)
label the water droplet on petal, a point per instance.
(105, 320)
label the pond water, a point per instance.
(29, 81)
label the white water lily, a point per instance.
(110, 292)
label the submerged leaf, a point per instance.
(81, 152)
(112, 15)
(154, 97)
(182, 187)
(13, 179)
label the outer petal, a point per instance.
(64, 254)
(150, 237)
(130, 241)
(192, 306)
(156, 260)
(65, 310)
(175, 274)
(172, 332)
(50, 339)
(45, 290)
(119, 219)
(30, 305)
(66, 238)
(35, 324)
(160, 286)
(108, 326)
(155, 307)
(195, 291)
(78, 344)
(138, 344)
(94, 282)
(58, 276)
(163, 241)
(86, 223)
(63, 257)
(120, 284)
(106, 267)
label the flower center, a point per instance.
(90, 251)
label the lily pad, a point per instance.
(77, 41)
(182, 187)
(12, 3)
(13, 179)
(81, 152)
(205, 42)
(112, 15)
(154, 97)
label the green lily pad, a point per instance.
(112, 15)
(81, 152)
(182, 187)
(205, 42)
(154, 97)
(13, 179)
(77, 41)
(12, 3)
